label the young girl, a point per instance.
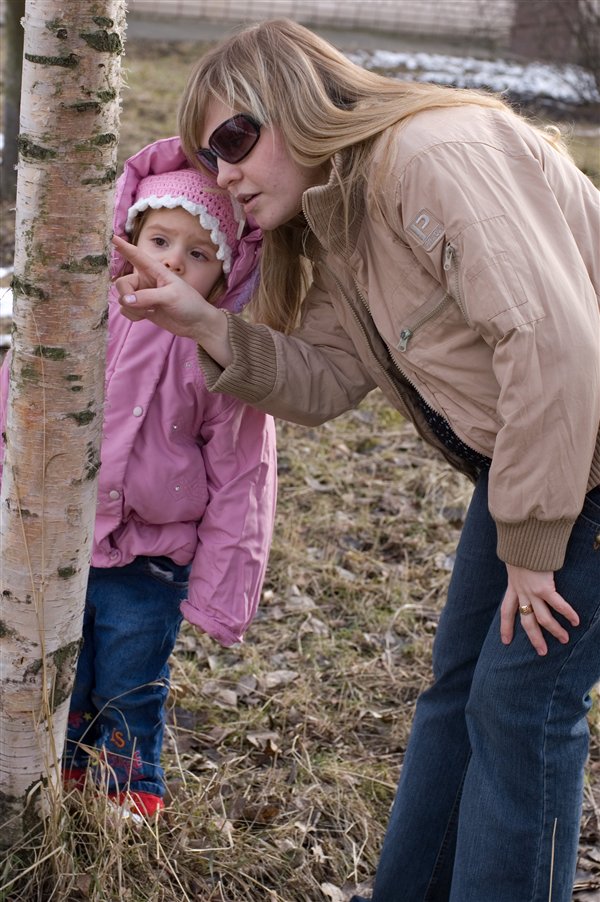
(186, 491)
(453, 253)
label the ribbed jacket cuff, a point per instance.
(252, 373)
(534, 544)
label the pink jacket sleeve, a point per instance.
(234, 536)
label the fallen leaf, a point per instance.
(332, 892)
(268, 739)
(318, 853)
(299, 603)
(276, 678)
(314, 625)
(243, 810)
(318, 486)
(246, 685)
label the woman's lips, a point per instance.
(246, 200)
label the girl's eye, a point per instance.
(199, 255)
(158, 241)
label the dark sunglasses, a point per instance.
(231, 141)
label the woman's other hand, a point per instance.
(533, 596)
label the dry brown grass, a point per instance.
(283, 755)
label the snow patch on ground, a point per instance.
(565, 83)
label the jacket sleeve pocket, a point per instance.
(490, 279)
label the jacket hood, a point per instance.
(167, 155)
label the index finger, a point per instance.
(139, 259)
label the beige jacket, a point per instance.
(472, 276)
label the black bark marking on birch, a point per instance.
(5, 629)
(33, 669)
(27, 289)
(103, 319)
(65, 660)
(32, 151)
(83, 417)
(66, 572)
(107, 179)
(89, 264)
(73, 378)
(66, 62)
(103, 41)
(85, 106)
(103, 22)
(106, 140)
(92, 462)
(30, 373)
(58, 27)
(50, 353)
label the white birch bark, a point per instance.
(67, 161)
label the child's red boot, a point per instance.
(145, 803)
(73, 778)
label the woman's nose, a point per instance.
(227, 174)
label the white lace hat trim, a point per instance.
(207, 221)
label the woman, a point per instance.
(430, 242)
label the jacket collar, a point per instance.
(324, 211)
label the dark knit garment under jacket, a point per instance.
(442, 429)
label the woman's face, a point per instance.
(268, 183)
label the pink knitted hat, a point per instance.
(198, 194)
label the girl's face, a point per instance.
(177, 240)
(268, 183)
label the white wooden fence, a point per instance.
(489, 20)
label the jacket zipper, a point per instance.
(425, 315)
(450, 264)
(394, 362)
(366, 334)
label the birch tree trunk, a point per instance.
(67, 164)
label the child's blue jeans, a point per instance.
(489, 801)
(130, 626)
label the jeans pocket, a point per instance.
(165, 571)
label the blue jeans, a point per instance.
(488, 805)
(130, 626)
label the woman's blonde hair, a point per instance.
(285, 75)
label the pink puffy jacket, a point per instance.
(184, 473)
